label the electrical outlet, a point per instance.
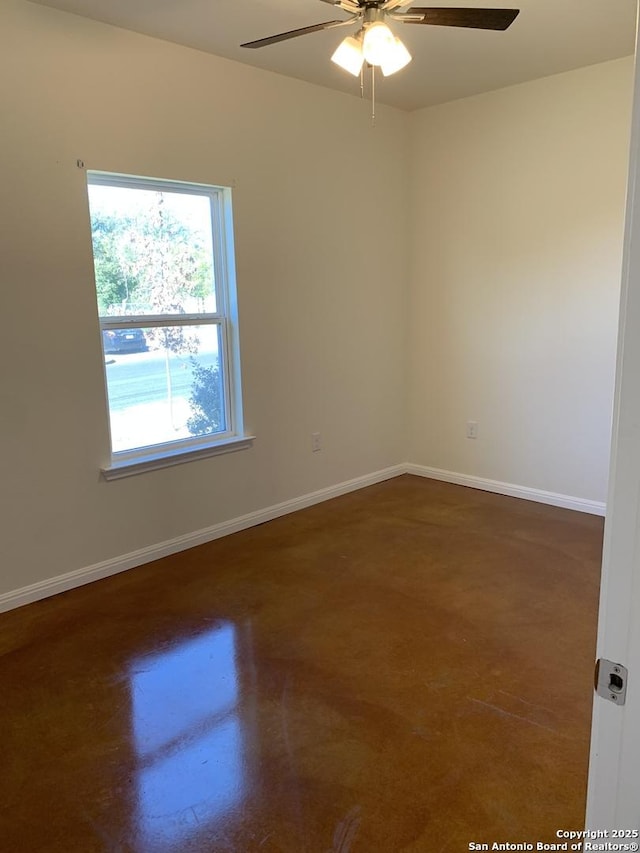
(315, 442)
(472, 429)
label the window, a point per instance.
(164, 273)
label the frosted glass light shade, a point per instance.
(378, 43)
(349, 55)
(396, 58)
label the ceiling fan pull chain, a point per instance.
(362, 81)
(373, 96)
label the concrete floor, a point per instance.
(405, 668)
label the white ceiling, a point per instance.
(548, 37)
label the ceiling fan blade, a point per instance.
(352, 6)
(481, 19)
(291, 34)
(390, 5)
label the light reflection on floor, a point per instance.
(188, 737)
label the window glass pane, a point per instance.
(164, 384)
(152, 251)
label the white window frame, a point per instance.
(127, 462)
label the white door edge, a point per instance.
(613, 797)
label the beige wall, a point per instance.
(517, 202)
(322, 304)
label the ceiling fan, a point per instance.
(375, 44)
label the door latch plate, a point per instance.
(611, 681)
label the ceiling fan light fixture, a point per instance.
(396, 59)
(349, 55)
(378, 43)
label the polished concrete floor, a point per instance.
(405, 668)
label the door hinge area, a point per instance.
(611, 681)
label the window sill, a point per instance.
(153, 462)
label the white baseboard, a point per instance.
(538, 495)
(79, 577)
